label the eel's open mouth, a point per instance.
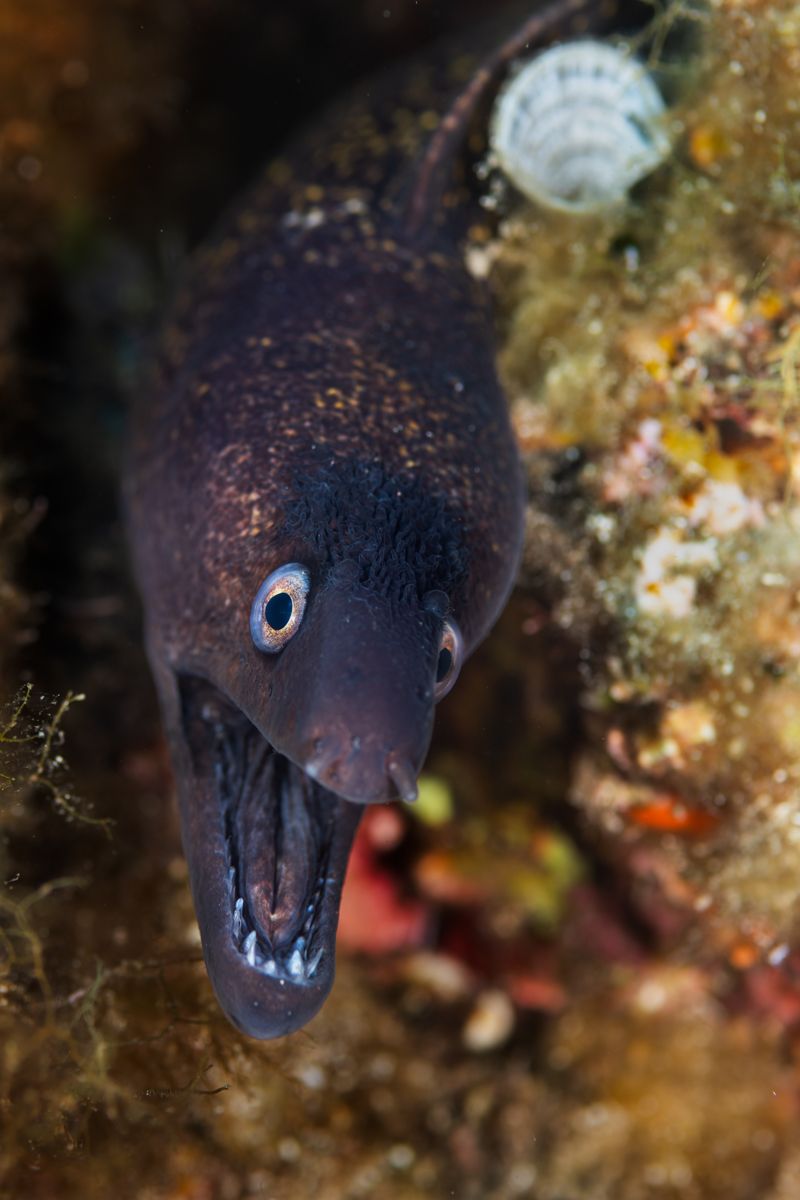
(278, 832)
(267, 849)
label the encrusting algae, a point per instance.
(578, 977)
(658, 374)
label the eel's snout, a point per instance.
(370, 775)
(352, 696)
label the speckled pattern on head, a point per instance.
(326, 395)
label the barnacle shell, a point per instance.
(577, 126)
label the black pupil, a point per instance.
(443, 665)
(278, 610)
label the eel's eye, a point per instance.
(448, 664)
(278, 607)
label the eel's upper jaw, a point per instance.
(267, 850)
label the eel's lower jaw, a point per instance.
(267, 850)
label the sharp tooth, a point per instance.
(249, 947)
(314, 963)
(269, 967)
(295, 964)
(238, 919)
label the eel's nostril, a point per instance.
(403, 776)
(326, 773)
(321, 758)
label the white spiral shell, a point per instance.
(577, 126)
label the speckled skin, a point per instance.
(315, 328)
(330, 331)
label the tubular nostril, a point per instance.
(328, 773)
(403, 776)
(359, 768)
(320, 758)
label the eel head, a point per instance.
(329, 707)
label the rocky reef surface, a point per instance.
(654, 357)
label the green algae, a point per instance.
(434, 805)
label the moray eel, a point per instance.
(325, 507)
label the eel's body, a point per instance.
(326, 397)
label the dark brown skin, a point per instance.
(327, 396)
